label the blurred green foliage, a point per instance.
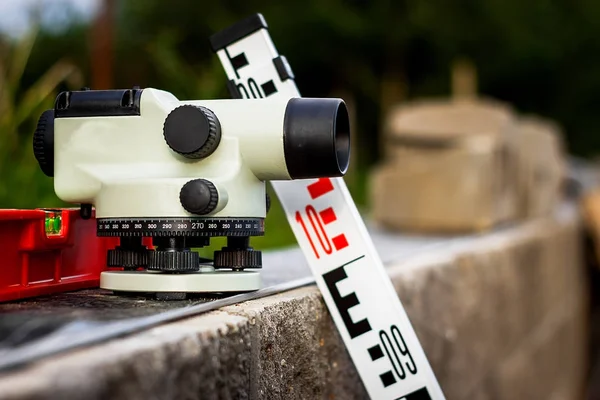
(20, 103)
(542, 56)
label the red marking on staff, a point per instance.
(327, 215)
(340, 242)
(320, 187)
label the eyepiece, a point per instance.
(316, 137)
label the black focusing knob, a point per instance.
(192, 131)
(43, 142)
(199, 196)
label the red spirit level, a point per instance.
(48, 251)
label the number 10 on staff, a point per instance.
(314, 222)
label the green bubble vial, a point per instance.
(53, 223)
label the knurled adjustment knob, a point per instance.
(128, 259)
(43, 143)
(173, 261)
(237, 259)
(192, 131)
(199, 196)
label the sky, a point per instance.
(15, 17)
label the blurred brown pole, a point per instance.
(394, 88)
(102, 46)
(464, 79)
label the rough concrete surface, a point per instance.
(500, 316)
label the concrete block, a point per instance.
(199, 358)
(298, 350)
(475, 311)
(541, 165)
(500, 316)
(462, 166)
(549, 362)
(449, 168)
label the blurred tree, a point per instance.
(539, 55)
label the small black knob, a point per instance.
(43, 142)
(85, 211)
(199, 196)
(192, 131)
(268, 201)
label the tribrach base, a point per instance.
(194, 282)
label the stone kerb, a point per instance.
(500, 316)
